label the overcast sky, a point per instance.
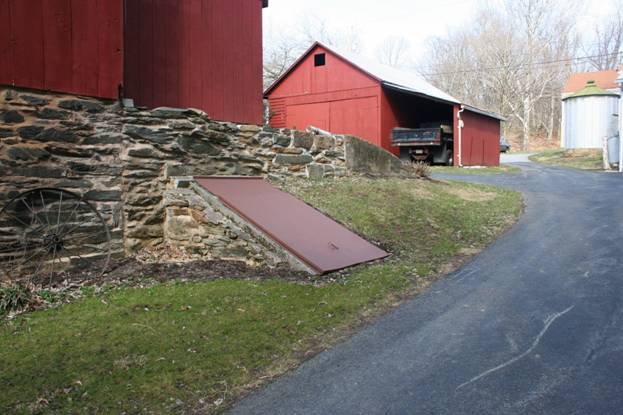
(416, 20)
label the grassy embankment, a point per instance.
(579, 159)
(182, 347)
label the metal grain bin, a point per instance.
(589, 116)
(613, 150)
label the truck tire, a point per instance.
(449, 158)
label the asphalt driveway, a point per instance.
(506, 158)
(533, 325)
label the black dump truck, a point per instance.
(433, 143)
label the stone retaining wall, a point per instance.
(200, 226)
(122, 159)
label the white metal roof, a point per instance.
(396, 78)
(407, 81)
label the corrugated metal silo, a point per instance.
(589, 116)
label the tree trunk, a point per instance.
(525, 136)
(552, 117)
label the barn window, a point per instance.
(320, 59)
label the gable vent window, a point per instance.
(320, 59)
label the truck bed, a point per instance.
(417, 136)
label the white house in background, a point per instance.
(590, 109)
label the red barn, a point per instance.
(346, 94)
(205, 54)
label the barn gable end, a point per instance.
(325, 91)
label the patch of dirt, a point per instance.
(164, 264)
(472, 195)
(133, 271)
(470, 251)
(131, 268)
(67, 287)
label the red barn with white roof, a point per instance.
(345, 94)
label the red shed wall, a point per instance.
(336, 97)
(480, 139)
(205, 54)
(389, 121)
(73, 46)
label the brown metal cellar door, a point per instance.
(314, 238)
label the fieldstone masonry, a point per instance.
(123, 160)
(200, 225)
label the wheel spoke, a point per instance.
(55, 238)
(60, 205)
(34, 215)
(73, 213)
(17, 219)
(33, 255)
(45, 209)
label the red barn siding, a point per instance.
(337, 75)
(72, 46)
(277, 114)
(198, 53)
(335, 97)
(205, 54)
(299, 117)
(359, 117)
(355, 116)
(6, 44)
(26, 34)
(389, 121)
(480, 139)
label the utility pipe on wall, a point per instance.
(461, 125)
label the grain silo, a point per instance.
(589, 116)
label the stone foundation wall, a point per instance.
(122, 159)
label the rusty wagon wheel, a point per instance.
(47, 233)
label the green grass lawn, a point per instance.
(504, 168)
(183, 347)
(583, 160)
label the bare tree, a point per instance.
(544, 30)
(278, 57)
(282, 50)
(511, 60)
(605, 50)
(312, 28)
(350, 40)
(393, 51)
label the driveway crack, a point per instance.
(547, 323)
